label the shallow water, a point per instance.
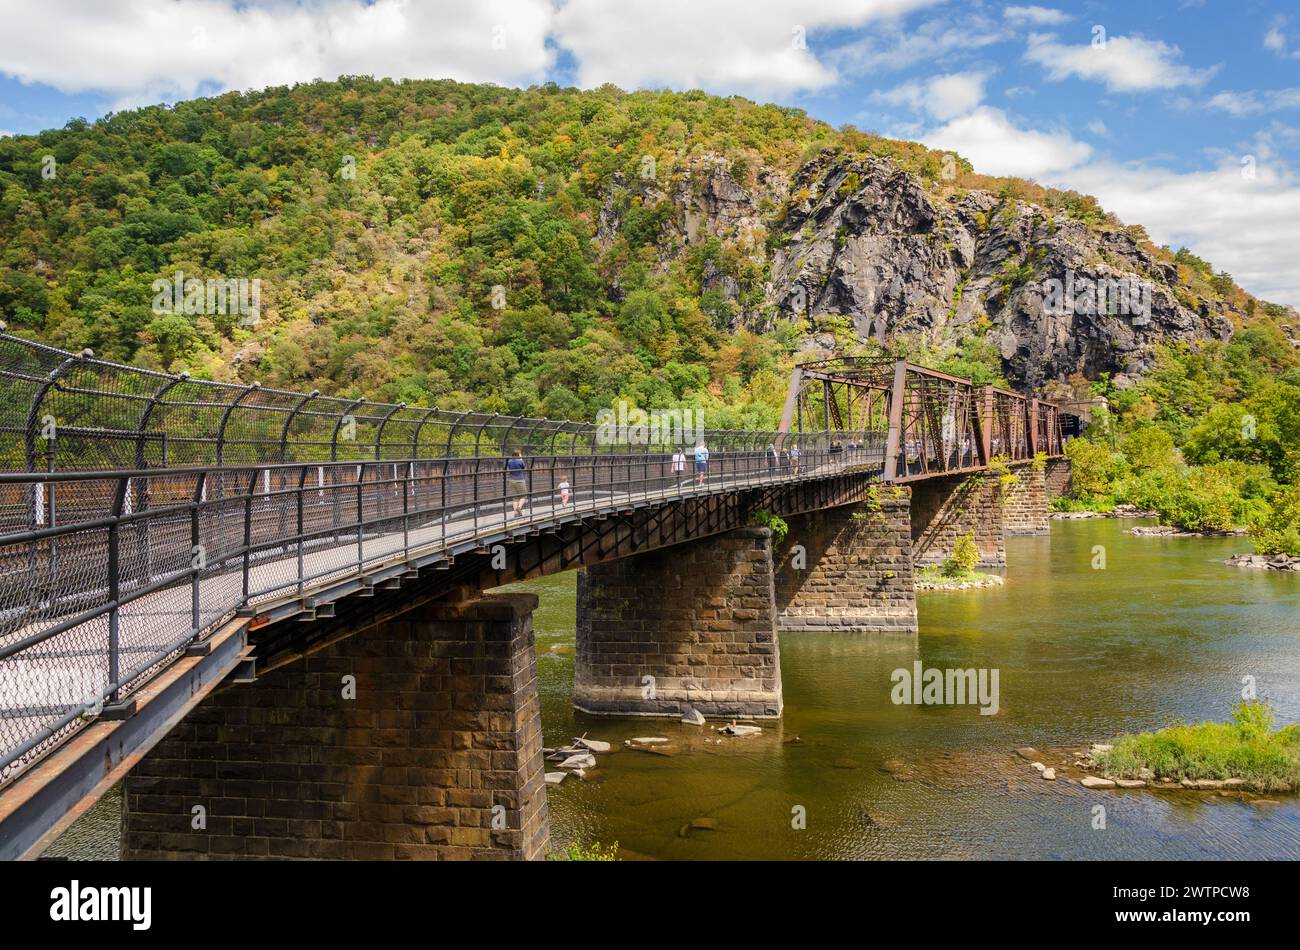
(1164, 632)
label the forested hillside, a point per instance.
(549, 252)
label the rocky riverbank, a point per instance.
(1172, 531)
(932, 578)
(1119, 511)
(1265, 562)
(1086, 769)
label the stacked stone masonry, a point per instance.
(849, 568)
(944, 509)
(1058, 480)
(1026, 502)
(438, 756)
(690, 626)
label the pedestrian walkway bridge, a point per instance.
(151, 523)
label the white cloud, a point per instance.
(757, 46)
(888, 50)
(1276, 40)
(1122, 63)
(1038, 16)
(1253, 102)
(145, 50)
(995, 146)
(1242, 216)
(943, 97)
(1246, 226)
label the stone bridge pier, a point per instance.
(948, 507)
(687, 626)
(417, 738)
(849, 568)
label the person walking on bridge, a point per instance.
(794, 459)
(679, 464)
(701, 463)
(517, 482)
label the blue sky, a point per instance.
(1182, 116)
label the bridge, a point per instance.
(273, 606)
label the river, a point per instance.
(1162, 633)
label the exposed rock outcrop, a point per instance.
(866, 240)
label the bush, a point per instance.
(1150, 448)
(1280, 532)
(1205, 498)
(1094, 469)
(1246, 748)
(774, 523)
(965, 556)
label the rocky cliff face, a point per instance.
(866, 239)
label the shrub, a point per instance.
(774, 523)
(1150, 448)
(965, 556)
(1094, 468)
(1280, 532)
(1246, 748)
(1205, 498)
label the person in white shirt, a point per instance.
(679, 463)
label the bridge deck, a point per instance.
(67, 674)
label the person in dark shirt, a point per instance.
(517, 482)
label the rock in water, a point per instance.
(1027, 752)
(555, 778)
(733, 729)
(583, 761)
(647, 740)
(1091, 781)
(693, 717)
(592, 745)
(1049, 774)
(1130, 783)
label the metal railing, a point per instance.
(935, 423)
(107, 577)
(139, 511)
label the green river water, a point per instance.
(1163, 633)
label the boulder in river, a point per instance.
(555, 778)
(693, 717)
(1092, 781)
(1049, 775)
(592, 745)
(584, 760)
(739, 729)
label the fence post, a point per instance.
(114, 593)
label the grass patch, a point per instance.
(944, 578)
(1247, 748)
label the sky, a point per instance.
(1180, 115)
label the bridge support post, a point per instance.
(849, 568)
(1058, 480)
(419, 738)
(691, 626)
(1026, 502)
(944, 509)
